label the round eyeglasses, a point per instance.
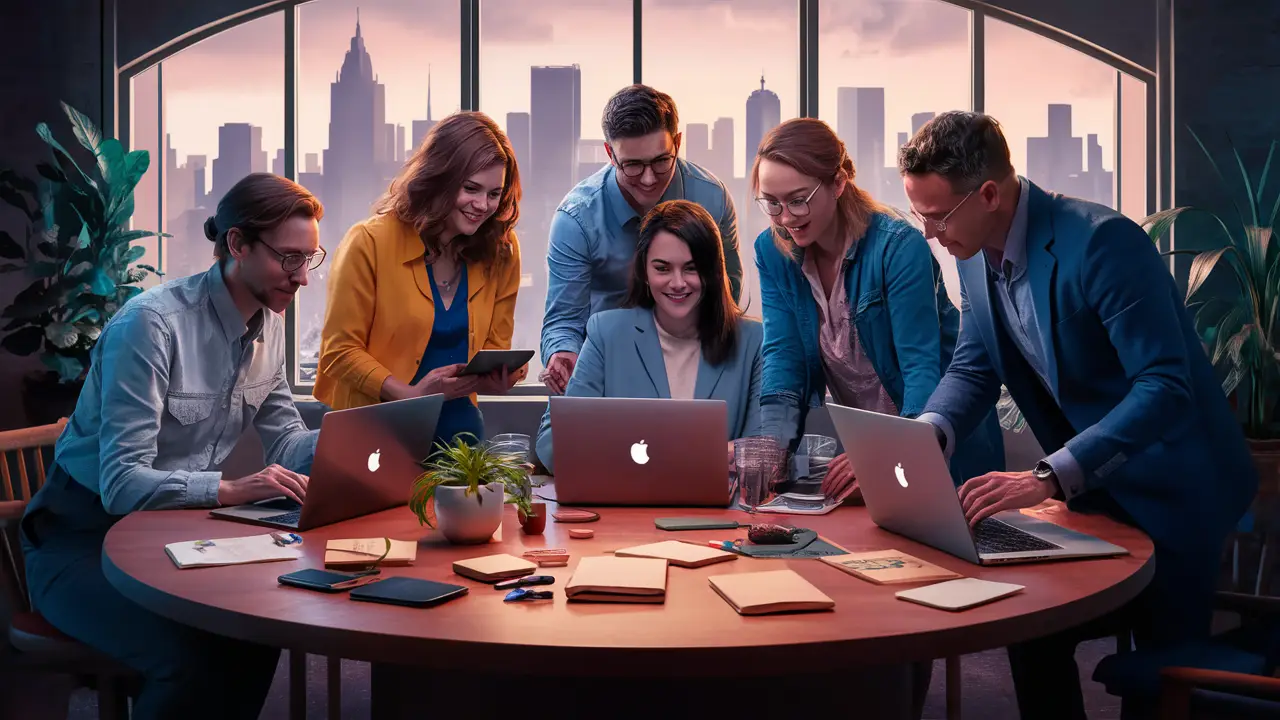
(798, 207)
(291, 262)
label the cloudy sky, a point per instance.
(708, 54)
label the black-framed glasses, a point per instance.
(661, 165)
(525, 581)
(527, 594)
(798, 207)
(292, 261)
(941, 225)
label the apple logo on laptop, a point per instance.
(902, 476)
(374, 458)
(640, 453)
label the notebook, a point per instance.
(365, 551)
(959, 594)
(230, 551)
(773, 591)
(492, 568)
(618, 579)
(887, 567)
(680, 554)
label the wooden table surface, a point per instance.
(694, 633)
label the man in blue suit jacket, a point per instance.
(1068, 304)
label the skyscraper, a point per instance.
(764, 113)
(422, 127)
(860, 124)
(721, 163)
(918, 120)
(237, 155)
(555, 129)
(518, 130)
(697, 144)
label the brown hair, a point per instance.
(717, 312)
(426, 190)
(258, 203)
(812, 148)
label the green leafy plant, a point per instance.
(1238, 321)
(470, 466)
(78, 249)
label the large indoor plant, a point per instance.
(1236, 316)
(78, 252)
(465, 486)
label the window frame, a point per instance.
(808, 10)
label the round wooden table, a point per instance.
(689, 642)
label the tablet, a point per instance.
(486, 361)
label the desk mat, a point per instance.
(808, 544)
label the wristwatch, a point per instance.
(1044, 472)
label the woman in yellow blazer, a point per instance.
(416, 290)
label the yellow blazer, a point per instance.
(380, 311)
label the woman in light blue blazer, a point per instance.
(679, 333)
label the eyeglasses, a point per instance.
(941, 225)
(661, 165)
(292, 261)
(525, 581)
(797, 207)
(527, 594)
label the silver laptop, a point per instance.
(908, 490)
(366, 461)
(628, 451)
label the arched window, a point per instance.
(337, 93)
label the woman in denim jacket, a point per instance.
(853, 300)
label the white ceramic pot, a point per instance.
(468, 519)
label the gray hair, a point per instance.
(966, 148)
(637, 110)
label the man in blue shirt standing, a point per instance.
(593, 233)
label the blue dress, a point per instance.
(448, 345)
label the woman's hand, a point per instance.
(445, 380)
(839, 478)
(500, 381)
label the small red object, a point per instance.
(568, 515)
(769, 534)
(581, 533)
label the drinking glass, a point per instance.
(514, 445)
(761, 463)
(812, 457)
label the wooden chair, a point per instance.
(33, 644)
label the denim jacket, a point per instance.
(904, 319)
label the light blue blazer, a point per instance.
(623, 358)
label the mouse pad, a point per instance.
(807, 544)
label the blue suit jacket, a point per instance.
(1135, 399)
(623, 358)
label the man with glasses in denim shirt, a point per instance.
(593, 233)
(178, 374)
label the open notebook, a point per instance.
(772, 591)
(360, 552)
(618, 579)
(680, 554)
(230, 551)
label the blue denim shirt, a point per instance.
(175, 379)
(593, 240)
(905, 321)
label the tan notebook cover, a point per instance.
(959, 594)
(774, 591)
(618, 579)
(492, 568)
(365, 551)
(680, 554)
(887, 567)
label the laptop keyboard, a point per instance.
(996, 536)
(290, 517)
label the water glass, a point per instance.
(513, 445)
(813, 455)
(760, 463)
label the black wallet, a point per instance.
(409, 592)
(325, 580)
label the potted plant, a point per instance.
(81, 257)
(1237, 320)
(467, 485)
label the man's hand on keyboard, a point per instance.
(995, 492)
(272, 481)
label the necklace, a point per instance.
(447, 285)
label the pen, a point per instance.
(726, 545)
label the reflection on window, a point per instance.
(731, 87)
(1133, 147)
(223, 109)
(1060, 125)
(144, 134)
(886, 67)
(372, 80)
(545, 75)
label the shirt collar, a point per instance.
(621, 210)
(1015, 243)
(224, 307)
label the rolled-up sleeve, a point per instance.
(134, 368)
